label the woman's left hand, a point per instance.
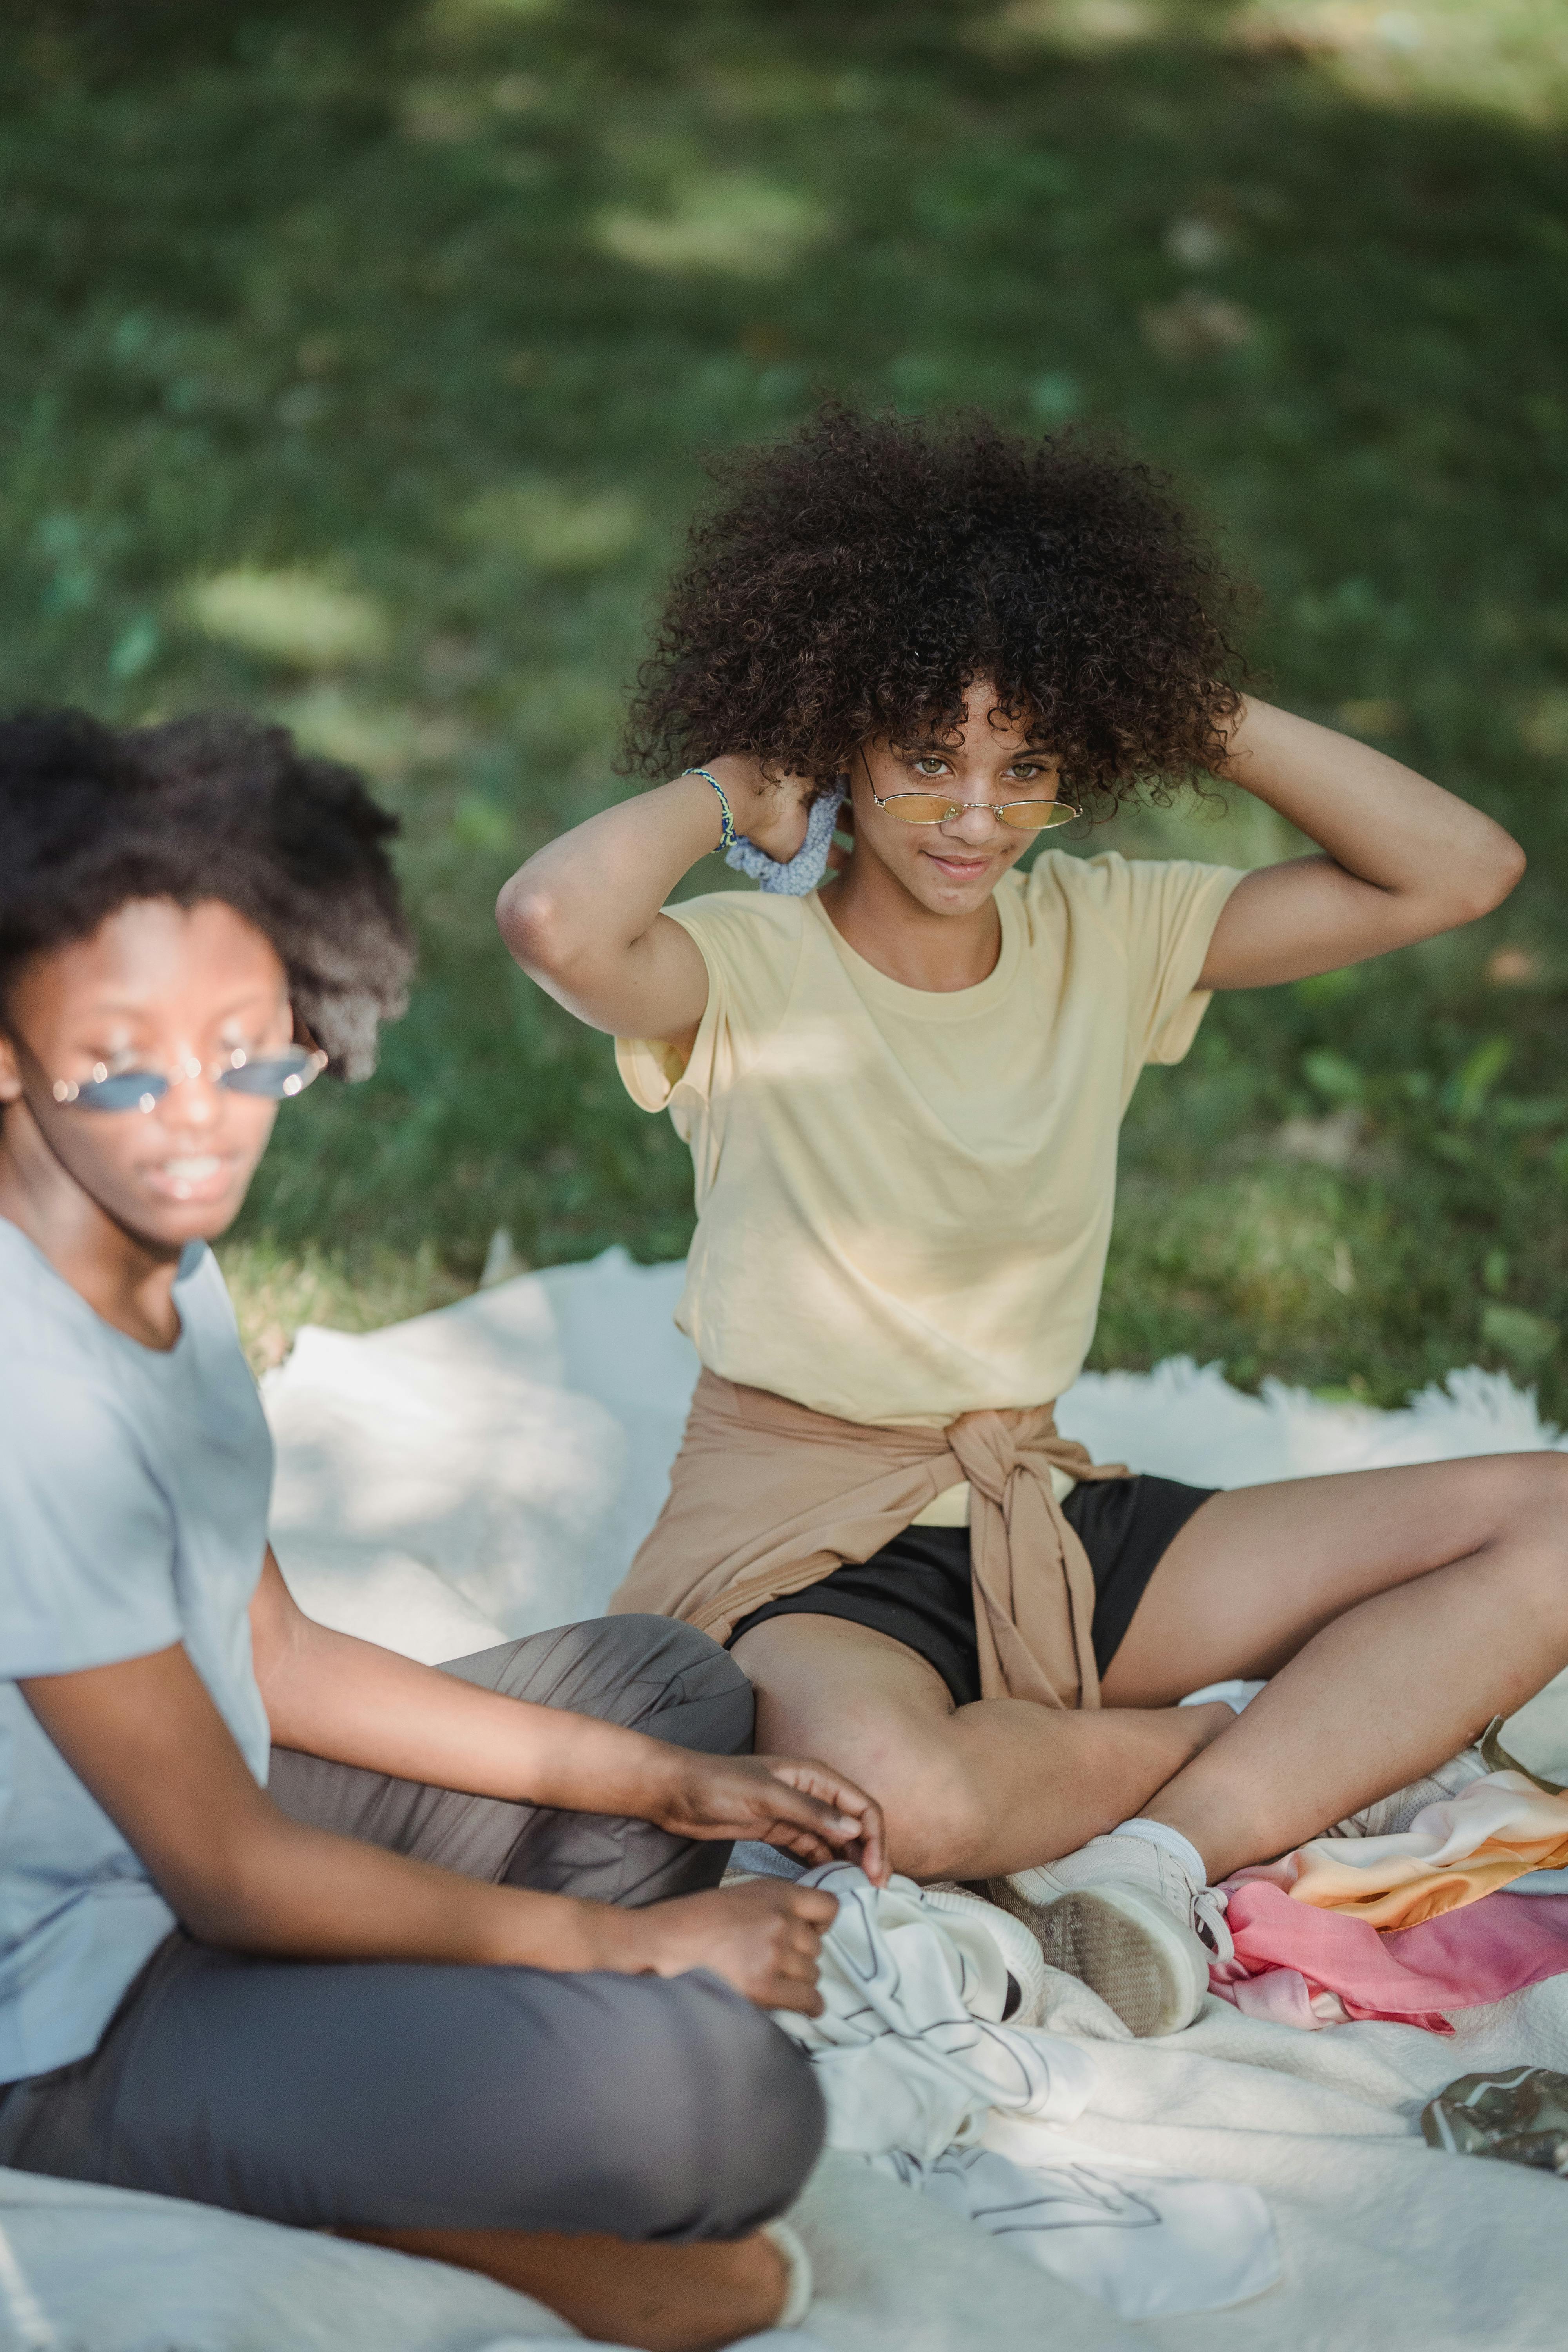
(806, 1807)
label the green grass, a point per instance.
(355, 366)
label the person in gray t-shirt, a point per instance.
(241, 1854)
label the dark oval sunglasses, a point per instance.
(276, 1078)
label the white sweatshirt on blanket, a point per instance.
(917, 2068)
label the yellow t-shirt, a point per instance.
(904, 1197)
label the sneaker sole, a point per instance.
(1131, 1953)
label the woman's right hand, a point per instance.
(771, 813)
(765, 1939)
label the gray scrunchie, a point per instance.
(797, 876)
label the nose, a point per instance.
(193, 1101)
(975, 827)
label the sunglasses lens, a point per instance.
(126, 1090)
(916, 808)
(276, 1076)
(1035, 816)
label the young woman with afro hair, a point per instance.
(902, 1092)
(289, 1923)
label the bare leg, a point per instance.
(662, 2298)
(1397, 1610)
(970, 1793)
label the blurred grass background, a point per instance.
(357, 360)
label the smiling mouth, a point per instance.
(960, 865)
(198, 1176)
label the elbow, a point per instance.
(231, 1902)
(530, 921)
(1489, 881)
(219, 1913)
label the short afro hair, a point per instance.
(201, 808)
(858, 579)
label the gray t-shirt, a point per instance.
(133, 1494)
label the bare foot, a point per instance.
(693, 2298)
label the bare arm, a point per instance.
(1405, 860)
(582, 916)
(356, 1703)
(145, 1738)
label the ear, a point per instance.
(10, 1076)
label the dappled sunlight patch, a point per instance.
(763, 89)
(479, 825)
(1544, 725)
(1081, 25)
(1372, 715)
(1199, 242)
(1507, 55)
(571, 709)
(438, 113)
(1513, 967)
(297, 619)
(1522, 1339)
(1197, 325)
(384, 739)
(725, 222)
(463, 20)
(552, 526)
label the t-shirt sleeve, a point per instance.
(1155, 917)
(1173, 906)
(86, 1537)
(750, 946)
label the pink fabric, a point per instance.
(1409, 1975)
(1280, 1996)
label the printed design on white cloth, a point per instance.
(915, 2065)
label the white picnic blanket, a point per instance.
(488, 1470)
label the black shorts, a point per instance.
(917, 1587)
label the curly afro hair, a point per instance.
(859, 578)
(211, 808)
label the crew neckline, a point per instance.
(936, 1003)
(190, 1258)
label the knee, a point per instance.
(936, 1823)
(706, 1701)
(934, 1814)
(740, 2126)
(652, 1674)
(770, 2126)
(1549, 1478)
(1531, 1492)
(1531, 1542)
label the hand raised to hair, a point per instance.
(771, 812)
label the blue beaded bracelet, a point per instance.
(730, 836)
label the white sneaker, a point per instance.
(1390, 1815)
(1124, 1916)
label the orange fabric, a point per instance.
(1492, 1832)
(767, 1498)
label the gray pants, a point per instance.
(392, 2094)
